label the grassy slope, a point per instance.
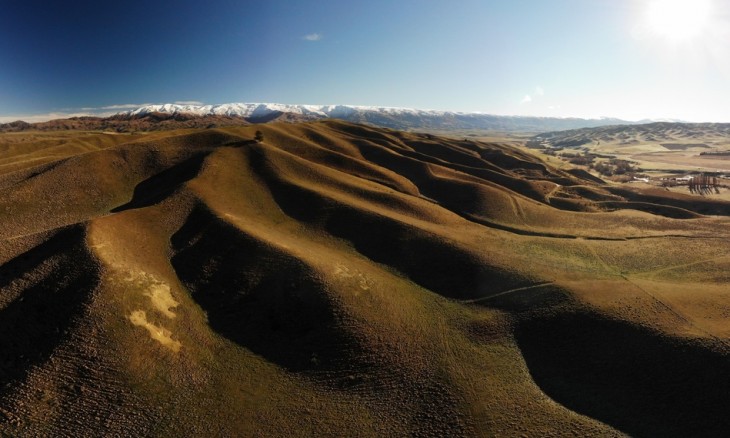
(342, 280)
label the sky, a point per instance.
(631, 59)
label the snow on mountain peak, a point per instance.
(389, 117)
(256, 110)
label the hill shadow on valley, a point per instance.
(633, 379)
(161, 185)
(46, 288)
(257, 296)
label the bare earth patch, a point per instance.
(159, 334)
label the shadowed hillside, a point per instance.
(342, 280)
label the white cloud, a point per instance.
(313, 37)
(187, 102)
(539, 91)
(526, 99)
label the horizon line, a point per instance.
(104, 111)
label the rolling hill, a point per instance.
(660, 148)
(337, 279)
(151, 121)
(672, 134)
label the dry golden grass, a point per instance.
(342, 280)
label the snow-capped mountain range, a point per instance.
(260, 110)
(396, 118)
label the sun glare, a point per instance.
(679, 20)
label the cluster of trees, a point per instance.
(615, 166)
(716, 153)
(607, 167)
(582, 160)
(703, 184)
(610, 167)
(578, 159)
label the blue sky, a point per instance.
(525, 57)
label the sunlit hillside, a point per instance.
(334, 279)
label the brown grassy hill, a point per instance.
(670, 135)
(123, 124)
(342, 280)
(654, 150)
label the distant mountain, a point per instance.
(395, 118)
(644, 133)
(173, 116)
